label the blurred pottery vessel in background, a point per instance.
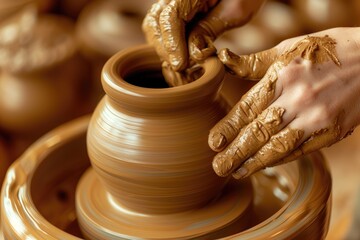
(42, 80)
(106, 27)
(317, 15)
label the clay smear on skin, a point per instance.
(250, 140)
(315, 49)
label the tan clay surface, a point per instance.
(344, 162)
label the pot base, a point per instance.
(101, 217)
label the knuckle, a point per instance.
(259, 132)
(304, 95)
(247, 110)
(322, 116)
(289, 74)
(280, 145)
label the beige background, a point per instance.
(344, 162)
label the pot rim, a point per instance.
(142, 58)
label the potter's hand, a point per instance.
(166, 23)
(308, 98)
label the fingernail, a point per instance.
(176, 62)
(222, 166)
(223, 55)
(218, 141)
(240, 173)
(196, 53)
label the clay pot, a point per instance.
(157, 143)
(290, 201)
(155, 158)
(42, 80)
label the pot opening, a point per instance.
(147, 79)
(152, 78)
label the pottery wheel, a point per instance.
(100, 216)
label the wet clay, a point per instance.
(278, 146)
(254, 66)
(245, 111)
(235, 126)
(321, 138)
(164, 27)
(261, 130)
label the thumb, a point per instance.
(252, 66)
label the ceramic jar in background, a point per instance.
(68, 8)
(42, 80)
(317, 15)
(106, 27)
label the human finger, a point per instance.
(318, 140)
(200, 44)
(252, 66)
(151, 27)
(287, 147)
(279, 146)
(249, 141)
(172, 28)
(172, 23)
(174, 78)
(246, 110)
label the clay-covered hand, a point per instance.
(168, 22)
(308, 97)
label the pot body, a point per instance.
(149, 145)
